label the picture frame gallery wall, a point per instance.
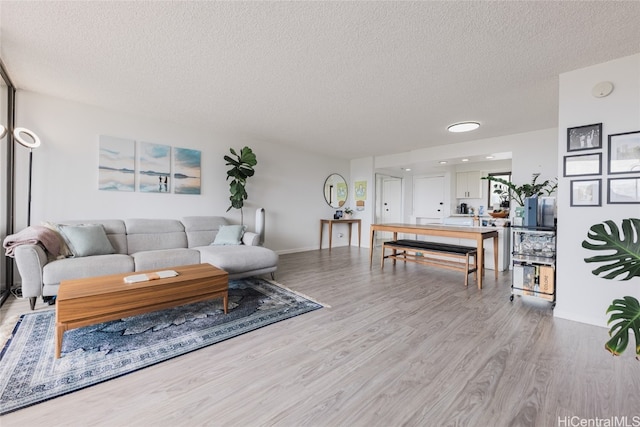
(623, 162)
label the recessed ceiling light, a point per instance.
(408, 169)
(443, 162)
(463, 127)
(489, 157)
(465, 160)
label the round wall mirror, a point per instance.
(335, 190)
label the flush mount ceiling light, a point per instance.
(463, 127)
(465, 160)
(443, 162)
(489, 157)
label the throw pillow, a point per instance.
(64, 249)
(86, 239)
(229, 235)
(251, 239)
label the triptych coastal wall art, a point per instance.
(129, 165)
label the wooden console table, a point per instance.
(479, 234)
(350, 222)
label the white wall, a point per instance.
(533, 145)
(362, 170)
(288, 182)
(535, 152)
(531, 152)
(583, 296)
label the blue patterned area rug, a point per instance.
(29, 373)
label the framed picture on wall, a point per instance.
(154, 175)
(586, 192)
(624, 152)
(116, 164)
(585, 137)
(623, 190)
(583, 164)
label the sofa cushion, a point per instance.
(86, 239)
(251, 239)
(202, 230)
(239, 258)
(229, 235)
(90, 266)
(154, 234)
(164, 258)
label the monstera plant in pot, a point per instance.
(241, 169)
(621, 253)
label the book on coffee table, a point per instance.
(150, 276)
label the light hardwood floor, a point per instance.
(406, 346)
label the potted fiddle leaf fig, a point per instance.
(241, 169)
(622, 257)
(519, 193)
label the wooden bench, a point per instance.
(423, 252)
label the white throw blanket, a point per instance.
(33, 235)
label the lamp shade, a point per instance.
(20, 133)
(3, 131)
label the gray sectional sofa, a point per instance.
(145, 244)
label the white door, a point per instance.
(428, 197)
(392, 200)
(388, 203)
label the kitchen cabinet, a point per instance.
(534, 263)
(468, 185)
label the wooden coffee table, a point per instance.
(84, 302)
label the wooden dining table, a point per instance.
(479, 234)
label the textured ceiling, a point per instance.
(349, 78)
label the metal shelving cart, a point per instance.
(534, 263)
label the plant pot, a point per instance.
(347, 216)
